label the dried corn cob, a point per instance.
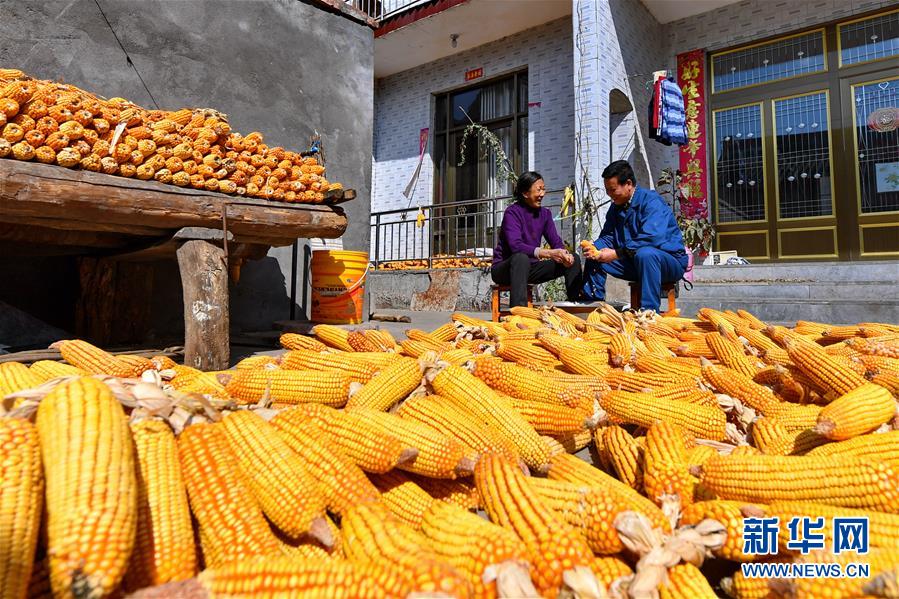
(773, 438)
(417, 348)
(552, 418)
(696, 456)
(363, 447)
(332, 336)
(389, 386)
(822, 368)
(511, 379)
(729, 514)
(879, 560)
(138, 364)
(579, 363)
(739, 386)
(625, 455)
(382, 339)
(302, 359)
(360, 342)
(276, 476)
(639, 381)
(91, 503)
(665, 474)
(621, 350)
(521, 352)
(574, 442)
(341, 481)
(459, 357)
(644, 409)
(46, 370)
(731, 354)
(880, 446)
(91, 358)
(15, 377)
(685, 581)
(684, 368)
(254, 362)
(857, 412)
(164, 549)
(21, 503)
(556, 551)
(795, 417)
(888, 381)
(835, 480)
(883, 529)
(295, 341)
(460, 492)
(403, 497)
(289, 386)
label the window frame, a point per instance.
(841, 24)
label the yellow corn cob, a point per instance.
(621, 350)
(162, 362)
(795, 417)
(362, 446)
(879, 560)
(739, 386)
(164, 549)
(519, 351)
(685, 581)
(489, 556)
(289, 386)
(460, 492)
(525, 312)
(275, 475)
(467, 392)
(46, 370)
(183, 375)
(657, 344)
(511, 379)
(295, 341)
(403, 497)
(729, 514)
(553, 547)
(371, 534)
(665, 474)
(639, 381)
(857, 412)
(742, 587)
(230, 520)
(687, 392)
(309, 551)
(379, 360)
(875, 365)
(389, 386)
(302, 359)
(469, 321)
(204, 383)
(744, 450)
(644, 409)
(731, 354)
(555, 343)
(880, 446)
(341, 481)
(459, 357)
(91, 358)
(332, 336)
(360, 342)
(439, 456)
(574, 442)
(446, 333)
(579, 386)
(552, 418)
(289, 576)
(590, 510)
(835, 480)
(138, 364)
(445, 418)
(15, 376)
(91, 503)
(773, 438)
(609, 569)
(757, 339)
(625, 455)
(568, 468)
(579, 363)
(887, 380)
(822, 368)
(750, 318)
(253, 362)
(416, 348)
(697, 456)
(698, 348)
(21, 503)
(685, 368)
(382, 339)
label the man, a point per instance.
(640, 240)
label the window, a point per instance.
(739, 164)
(802, 146)
(762, 63)
(876, 115)
(869, 39)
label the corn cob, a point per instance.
(362, 446)
(822, 368)
(621, 350)
(460, 492)
(553, 419)
(742, 587)
(91, 501)
(469, 321)
(879, 560)
(744, 450)
(439, 456)
(21, 503)
(309, 551)
(295, 341)
(253, 362)
(138, 364)
(731, 354)
(360, 342)
(332, 336)
(287, 576)
(688, 392)
(416, 348)
(91, 358)
(161, 362)
(625, 455)
(639, 381)
(685, 581)
(389, 386)
(665, 473)
(608, 569)
(46, 370)
(857, 412)
(569, 468)
(371, 534)
(445, 418)
(697, 456)
(511, 379)
(403, 497)
(492, 558)
(519, 351)
(739, 386)
(553, 547)
(697, 348)
(303, 359)
(289, 386)
(773, 438)
(577, 386)
(459, 357)
(887, 380)
(835, 480)
(579, 363)
(657, 344)
(15, 376)
(382, 339)
(467, 392)
(230, 520)
(880, 446)
(644, 409)
(729, 514)
(379, 360)
(751, 320)
(883, 529)
(341, 481)
(204, 383)
(574, 442)
(590, 510)
(164, 549)
(875, 365)
(268, 463)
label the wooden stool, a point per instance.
(669, 289)
(495, 290)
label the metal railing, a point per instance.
(467, 229)
(384, 9)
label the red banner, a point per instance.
(693, 156)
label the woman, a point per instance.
(518, 258)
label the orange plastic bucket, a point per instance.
(338, 286)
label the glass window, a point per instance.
(739, 164)
(869, 39)
(789, 57)
(486, 103)
(877, 142)
(803, 156)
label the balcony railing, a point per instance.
(467, 229)
(384, 9)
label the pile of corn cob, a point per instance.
(61, 124)
(352, 464)
(438, 261)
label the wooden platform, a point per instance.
(49, 210)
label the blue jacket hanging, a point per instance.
(673, 118)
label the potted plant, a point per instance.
(692, 213)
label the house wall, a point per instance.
(281, 67)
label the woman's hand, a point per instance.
(562, 256)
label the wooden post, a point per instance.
(204, 279)
(113, 306)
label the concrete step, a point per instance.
(886, 271)
(822, 291)
(843, 311)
